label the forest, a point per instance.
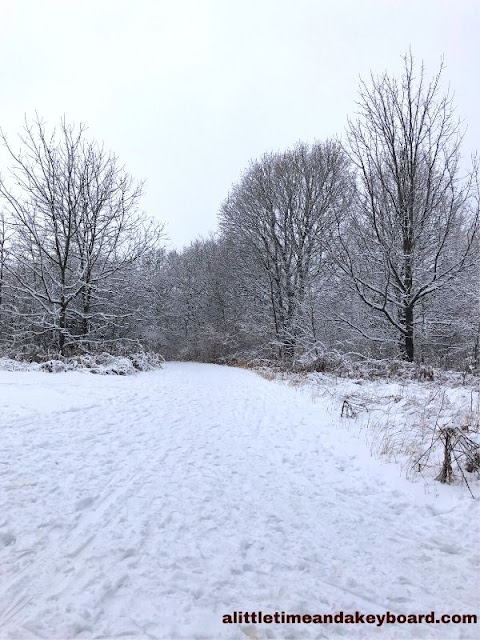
(365, 246)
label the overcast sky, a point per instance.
(186, 92)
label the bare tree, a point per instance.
(414, 221)
(277, 218)
(3, 237)
(76, 224)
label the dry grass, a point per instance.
(399, 420)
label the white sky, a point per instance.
(186, 92)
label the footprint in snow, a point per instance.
(6, 539)
(84, 503)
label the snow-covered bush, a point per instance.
(9, 364)
(100, 363)
(365, 368)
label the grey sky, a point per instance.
(186, 92)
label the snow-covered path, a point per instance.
(150, 506)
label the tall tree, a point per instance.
(77, 228)
(413, 225)
(277, 217)
(3, 238)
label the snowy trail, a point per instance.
(150, 506)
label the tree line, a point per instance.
(367, 245)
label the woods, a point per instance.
(366, 246)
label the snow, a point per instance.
(402, 419)
(149, 506)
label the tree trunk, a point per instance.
(408, 284)
(62, 327)
(86, 311)
(409, 349)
